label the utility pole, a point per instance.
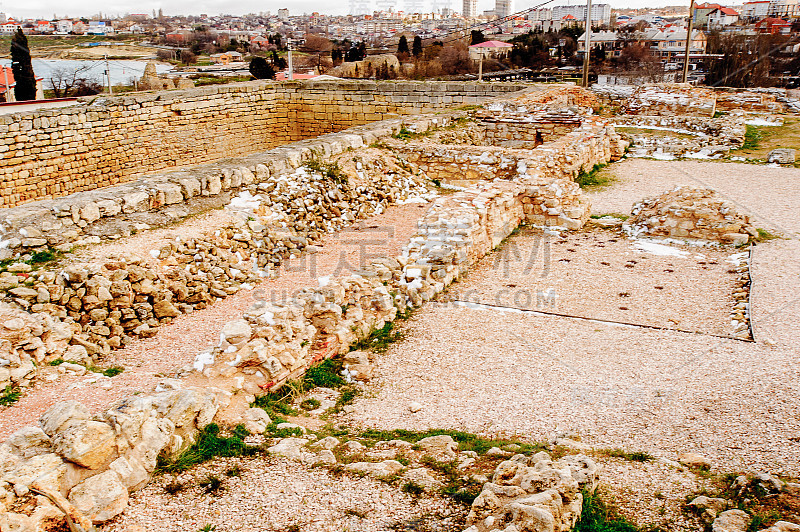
(588, 45)
(108, 75)
(688, 42)
(480, 66)
(291, 74)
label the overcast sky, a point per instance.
(77, 8)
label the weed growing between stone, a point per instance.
(328, 170)
(636, 456)
(10, 395)
(592, 178)
(599, 516)
(380, 339)
(209, 445)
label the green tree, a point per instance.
(25, 79)
(402, 46)
(260, 69)
(476, 37)
(416, 48)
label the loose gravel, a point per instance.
(274, 494)
(603, 275)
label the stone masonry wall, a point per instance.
(106, 141)
(594, 142)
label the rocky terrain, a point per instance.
(473, 376)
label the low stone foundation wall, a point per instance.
(683, 136)
(593, 142)
(104, 141)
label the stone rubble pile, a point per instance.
(593, 142)
(690, 213)
(105, 305)
(683, 136)
(31, 340)
(534, 494)
(89, 463)
(118, 211)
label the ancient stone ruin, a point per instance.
(691, 213)
(312, 161)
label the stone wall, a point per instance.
(105, 141)
(593, 142)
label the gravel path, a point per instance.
(146, 361)
(770, 195)
(602, 274)
(775, 296)
(660, 391)
(534, 377)
(277, 494)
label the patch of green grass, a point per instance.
(108, 372)
(10, 395)
(719, 114)
(347, 396)
(380, 339)
(467, 107)
(37, 259)
(466, 441)
(406, 134)
(310, 404)
(599, 516)
(592, 178)
(764, 235)
(208, 528)
(233, 471)
(56, 362)
(325, 374)
(209, 444)
(413, 489)
(763, 520)
(752, 136)
(465, 496)
(636, 456)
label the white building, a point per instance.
(722, 16)
(470, 9)
(601, 13)
(785, 9)
(503, 8)
(283, 14)
(64, 26)
(755, 10)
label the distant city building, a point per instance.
(283, 14)
(701, 11)
(786, 9)
(64, 26)
(601, 13)
(755, 10)
(470, 8)
(722, 16)
(503, 8)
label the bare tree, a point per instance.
(66, 82)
